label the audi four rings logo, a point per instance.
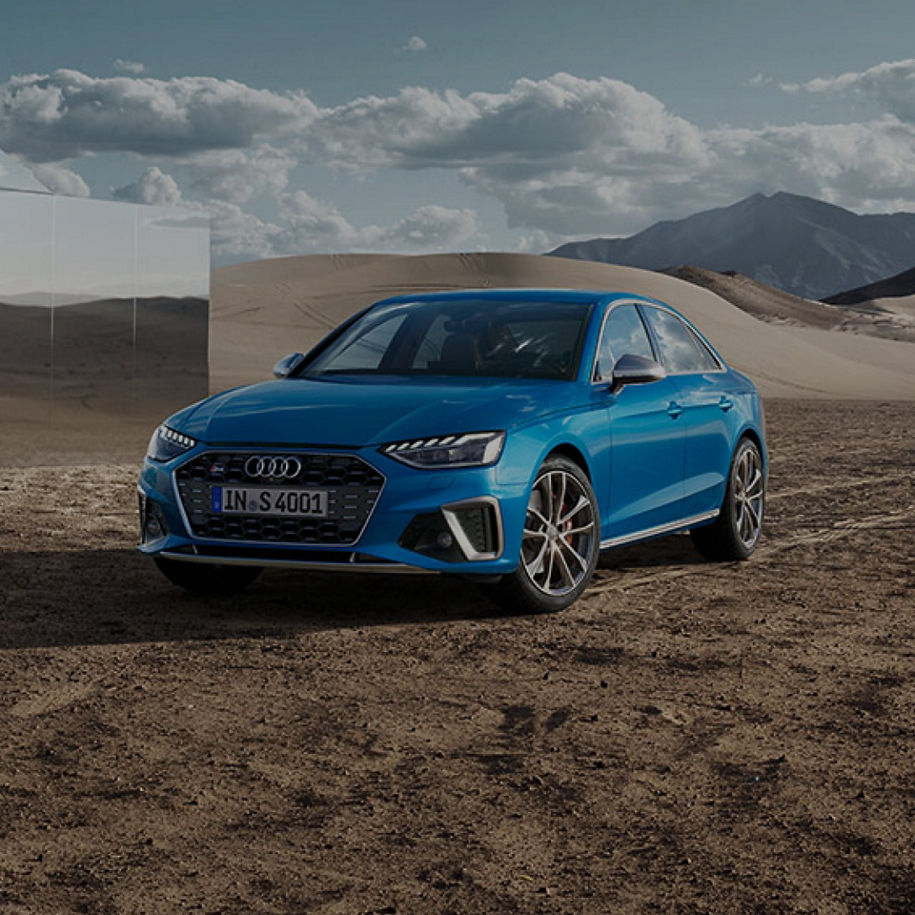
(276, 468)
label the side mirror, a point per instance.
(287, 365)
(632, 369)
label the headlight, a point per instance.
(472, 449)
(166, 444)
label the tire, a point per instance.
(203, 578)
(735, 533)
(560, 544)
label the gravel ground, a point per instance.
(689, 737)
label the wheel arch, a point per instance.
(572, 453)
(751, 433)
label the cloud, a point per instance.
(237, 175)
(758, 81)
(565, 156)
(317, 226)
(890, 85)
(307, 225)
(65, 114)
(59, 179)
(538, 121)
(153, 187)
(415, 45)
(128, 66)
(569, 156)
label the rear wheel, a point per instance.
(560, 543)
(735, 532)
(203, 578)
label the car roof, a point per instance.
(521, 294)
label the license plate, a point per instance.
(245, 500)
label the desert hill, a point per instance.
(773, 305)
(803, 246)
(265, 309)
(900, 285)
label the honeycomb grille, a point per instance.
(351, 484)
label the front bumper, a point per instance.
(407, 528)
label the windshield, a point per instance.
(503, 339)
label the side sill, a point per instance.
(650, 532)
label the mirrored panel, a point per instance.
(94, 277)
(16, 177)
(173, 281)
(26, 285)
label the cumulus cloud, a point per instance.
(556, 152)
(565, 156)
(236, 175)
(66, 114)
(153, 187)
(318, 226)
(128, 66)
(537, 121)
(415, 45)
(890, 85)
(306, 225)
(59, 179)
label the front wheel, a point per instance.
(203, 578)
(560, 543)
(735, 532)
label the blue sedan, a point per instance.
(507, 435)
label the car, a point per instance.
(507, 436)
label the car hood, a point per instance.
(355, 412)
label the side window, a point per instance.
(623, 333)
(681, 352)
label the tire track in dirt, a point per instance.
(833, 485)
(839, 529)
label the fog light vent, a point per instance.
(476, 522)
(152, 521)
(477, 527)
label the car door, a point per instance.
(701, 382)
(646, 435)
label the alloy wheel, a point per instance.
(749, 491)
(559, 532)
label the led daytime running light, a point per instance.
(470, 449)
(177, 438)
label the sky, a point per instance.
(314, 127)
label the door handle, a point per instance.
(725, 403)
(674, 409)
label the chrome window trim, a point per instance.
(258, 543)
(656, 531)
(448, 513)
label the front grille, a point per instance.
(352, 486)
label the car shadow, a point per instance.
(674, 549)
(101, 597)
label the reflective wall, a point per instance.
(104, 310)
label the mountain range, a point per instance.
(798, 244)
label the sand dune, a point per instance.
(897, 286)
(268, 308)
(774, 305)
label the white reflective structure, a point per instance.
(16, 177)
(104, 307)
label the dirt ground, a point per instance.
(689, 737)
